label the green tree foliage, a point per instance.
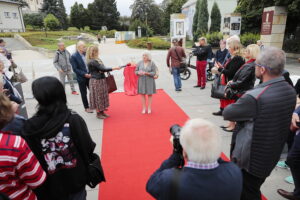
(51, 22)
(78, 16)
(195, 20)
(148, 12)
(124, 23)
(103, 13)
(215, 17)
(146, 30)
(174, 6)
(56, 8)
(251, 11)
(22, 2)
(36, 20)
(203, 17)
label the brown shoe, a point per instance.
(100, 116)
(105, 115)
(88, 110)
(287, 195)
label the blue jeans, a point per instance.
(176, 76)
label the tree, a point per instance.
(203, 16)
(251, 11)
(124, 23)
(36, 20)
(56, 8)
(51, 22)
(22, 2)
(215, 17)
(174, 6)
(78, 16)
(195, 19)
(103, 13)
(146, 30)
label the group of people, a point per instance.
(261, 118)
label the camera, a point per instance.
(175, 132)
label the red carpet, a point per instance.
(129, 138)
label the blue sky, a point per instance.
(123, 5)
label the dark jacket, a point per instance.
(264, 117)
(231, 67)
(202, 52)
(97, 69)
(15, 126)
(297, 110)
(221, 183)
(244, 78)
(79, 67)
(62, 144)
(297, 87)
(10, 91)
(221, 55)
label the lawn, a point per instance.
(39, 39)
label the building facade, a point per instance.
(189, 8)
(11, 18)
(34, 6)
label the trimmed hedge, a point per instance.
(249, 38)
(291, 45)
(7, 35)
(141, 43)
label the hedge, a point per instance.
(249, 38)
(157, 43)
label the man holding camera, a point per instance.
(263, 117)
(205, 176)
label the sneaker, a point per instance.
(75, 93)
(289, 180)
(282, 164)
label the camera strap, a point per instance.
(174, 193)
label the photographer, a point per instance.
(204, 173)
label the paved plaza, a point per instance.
(195, 102)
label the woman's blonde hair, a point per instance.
(236, 46)
(203, 38)
(92, 53)
(6, 111)
(253, 50)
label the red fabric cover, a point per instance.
(130, 80)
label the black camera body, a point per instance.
(175, 132)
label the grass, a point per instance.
(141, 43)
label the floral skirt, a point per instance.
(99, 98)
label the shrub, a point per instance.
(51, 22)
(214, 38)
(108, 34)
(291, 45)
(249, 38)
(6, 35)
(35, 20)
(157, 43)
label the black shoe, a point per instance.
(219, 113)
(202, 88)
(223, 127)
(196, 86)
(226, 130)
(178, 90)
(287, 195)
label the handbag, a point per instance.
(182, 66)
(111, 83)
(95, 171)
(231, 93)
(17, 76)
(218, 90)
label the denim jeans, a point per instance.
(176, 76)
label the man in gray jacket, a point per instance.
(63, 65)
(263, 117)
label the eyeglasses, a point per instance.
(269, 68)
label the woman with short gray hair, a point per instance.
(146, 70)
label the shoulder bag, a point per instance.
(218, 90)
(182, 63)
(111, 83)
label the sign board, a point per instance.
(232, 24)
(178, 26)
(267, 21)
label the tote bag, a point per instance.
(218, 90)
(111, 83)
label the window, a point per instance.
(14, 15)
(6, 14)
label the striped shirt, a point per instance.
(20, 171)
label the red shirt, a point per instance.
(20, 171)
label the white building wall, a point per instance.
(225, 6)
(33, 6)
(11, 19)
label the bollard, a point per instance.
(22, 108)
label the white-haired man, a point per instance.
(80, 68)
(63, 65)
(205, 176)
(263, 117)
